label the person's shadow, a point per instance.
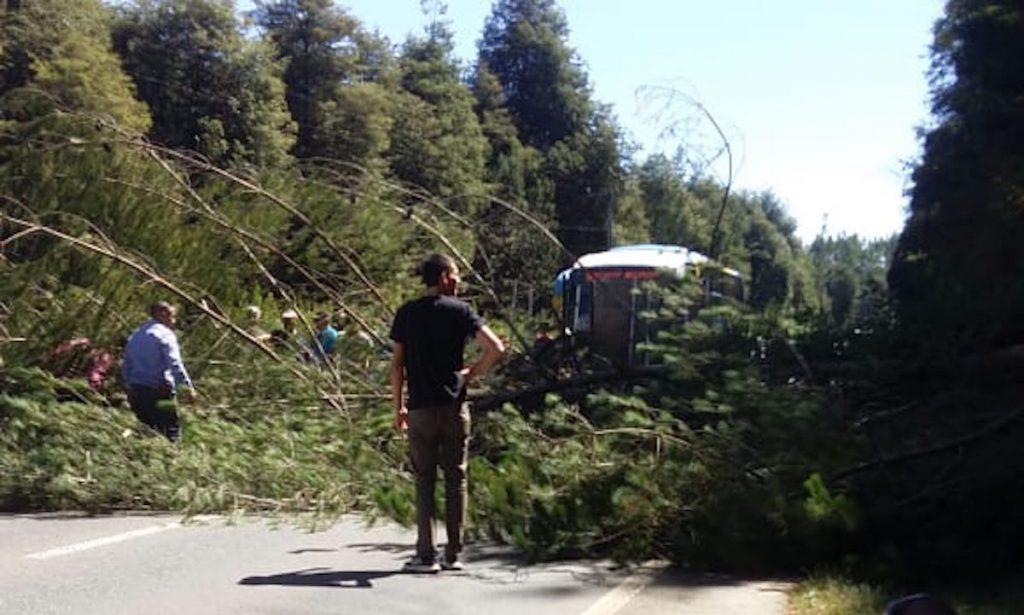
(321, 577)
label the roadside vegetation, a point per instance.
(836, 596)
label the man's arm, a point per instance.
(172, 357)
(396, 375)
(493, 349)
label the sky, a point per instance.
(820, 100)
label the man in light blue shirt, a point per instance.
(152, 370)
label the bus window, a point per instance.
(724, 283)
(584, 307)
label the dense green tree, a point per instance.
(956, 270)
(354, 126)
(334, 76)
(524, 45)
(209, 88)
(780, 271)
(676, 215)
(631, 223)
(851, 276)
(510, 247)
(61, 51)
(589, 180)
(756, 237)
(437, 146)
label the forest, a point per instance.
(860, 410)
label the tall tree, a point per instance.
(332, 75)
(851, 274)
(525, 46)
(61, 50)
(631, 223)
(955, 275)
(675, 212)
(780, 271)
(436, 144)
(510, 247)
(209, 88)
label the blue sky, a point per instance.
(820, 100)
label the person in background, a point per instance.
(78, 358)
(152, 370)
(326, 338)
(290, 322)
(430, 335)
(253, 314)
(284, 337)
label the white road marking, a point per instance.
(620, 595)
(108, 540)
(100, 542)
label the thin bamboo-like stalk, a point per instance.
(153, 276)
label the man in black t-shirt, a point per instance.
(430, 335)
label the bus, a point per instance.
(600, 298)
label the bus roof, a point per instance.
(650, 256)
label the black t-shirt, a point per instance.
(434, 331)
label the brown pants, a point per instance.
(440, 435)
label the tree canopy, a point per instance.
(959, 256)
(209, 88)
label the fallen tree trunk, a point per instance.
(490, 401)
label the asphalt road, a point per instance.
(155, 565)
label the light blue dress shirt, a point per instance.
(152, 358)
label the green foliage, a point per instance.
(510, 246)
(822, 505)
(524, 46)
(57, 57)
(546, 94)
(675, 213)
(208, 87)
(700, 466)
(959, 251)
(631, 223)
(285, 453)
(333, 74)
(758, 235)
(851, 276)
(437, 147)
(780, 273)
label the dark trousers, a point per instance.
(440, 436)
(155, 406)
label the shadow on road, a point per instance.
(383, 547)
(475, 553)
(322, 577)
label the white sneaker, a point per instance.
(421, 565)
(455, 564)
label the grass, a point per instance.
(834, 596)
(829, 595)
